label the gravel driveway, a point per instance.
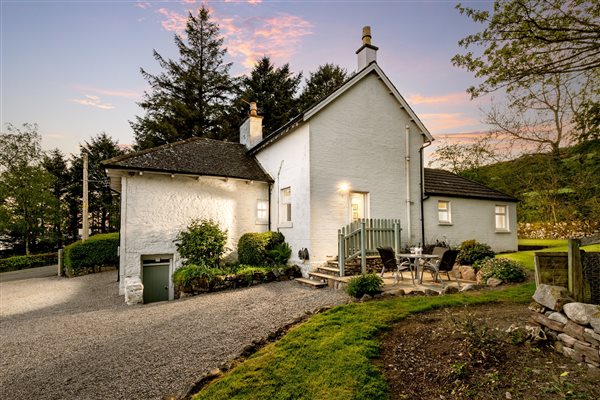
(75, 339)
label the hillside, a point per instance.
(549, 188)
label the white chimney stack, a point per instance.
(367, 52)
(251, 129)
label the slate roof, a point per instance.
(440, 182)
(195, 156)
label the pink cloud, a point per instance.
(252, 2)
(132, 94)
(452, 98)
(93, 101)
(143, 4)
(173, 22)
(437, 122)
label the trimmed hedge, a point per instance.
(24, 262)
(472, 251)
(254, 248)
(96, 252)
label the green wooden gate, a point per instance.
(156, 280)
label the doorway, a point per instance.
(359, 206)
(156, 279)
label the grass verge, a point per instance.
(543, 242)
(526, 257)
(329, 356)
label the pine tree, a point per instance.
(321, 83)
(190, 97)
(274, 90)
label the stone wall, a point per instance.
(574, 328)
(374, 265)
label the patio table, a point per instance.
(415, 259)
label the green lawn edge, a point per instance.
(526, 257)
(331, 355)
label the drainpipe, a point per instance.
(423, 197)
(269, 200)
(407, 179)
(278, 191)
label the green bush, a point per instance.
(23, 262)
(280, 254)
(254, 248)
(501, 268)
(97, 251)
(370, 284)
(202, 243)
(185, 276)
(472, 251)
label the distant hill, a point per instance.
(550, 188)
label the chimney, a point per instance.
(251, 129)
(367, 52)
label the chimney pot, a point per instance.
(251, 129)
(366, 35)
(367, 52)
(253, 109)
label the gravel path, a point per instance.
(75, 339)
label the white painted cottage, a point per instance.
(356, 154)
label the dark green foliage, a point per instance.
(321, 83)
(253, 248)
(472, 251)
(588, 121)
(24, 262)
(502, 268)
(280, 254)
(96, 252)
(202, 243)
(191, 96)
(370, 284)
(185, 276)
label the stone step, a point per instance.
(327, 277)
(310, 282)
(335, 271)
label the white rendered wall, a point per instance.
(155, 208)
(471, 219)
(360, 139)
(287, 162)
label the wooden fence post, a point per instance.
(397, 237)
(575, 270)
(60, 262)
(363, 247)
(341, 250)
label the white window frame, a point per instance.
(504, 218)
(262, 212)
(285, 207)
(366, 206)
(447, 211)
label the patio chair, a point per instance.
(443, 264)
(388, 258)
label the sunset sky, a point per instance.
(73, 67)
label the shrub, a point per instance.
(97, 251)
(471, 251)
(280, 254)
(253, 248)
(185, 276)
(202, 243)
(501, 268)
(23, 262)
(370, 284)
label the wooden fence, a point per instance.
(362, 237)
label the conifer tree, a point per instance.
(321, 83)
(190, 97)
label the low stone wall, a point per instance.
(374, 265)
(574, 328)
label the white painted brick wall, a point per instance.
(471, 219)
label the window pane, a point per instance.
(443, 211)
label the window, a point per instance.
(262, 211)
(501, 218)
(444, 216)
(285, 201)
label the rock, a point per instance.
(566, 339)
(558, 317)
(467, 288)
(574, 330)
(588, 352)
(493, 282)
(553, 297)
(417, 293)
(134, 291)
(365, 297)
(399, 292)
(536, 307)
(467, 273)
(595, 322)
(591, 336)
(580, 313)
(547, 322)
(431, 292)
(450, 290)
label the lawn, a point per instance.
(330, 356)
(526, 257)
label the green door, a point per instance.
(156, 282)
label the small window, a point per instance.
(262, 211)
(501, 218)
(285, 215)
(444, 216)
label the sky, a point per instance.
(73, 67)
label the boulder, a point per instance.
(553, 297)
(468, 288)
(536, 307)
(449, 290)
(493, 282)
(134, 290)
(366, 297)
(581, 312)
(431, 292)
(467, 273)
(595, 321)
(558, 317)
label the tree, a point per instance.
(55, 164)
(26, 200)
(274, 90)
(321, 83)
(465, 159)
(190, 97)
(526, 39)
